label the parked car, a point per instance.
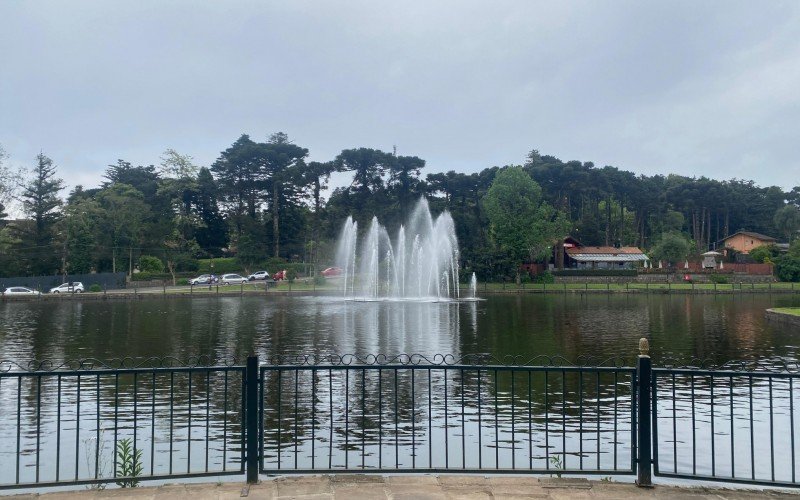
(20, 290)
(74, 287)
(259, 275)
(280, 275)
(204, 279)
(332, 271)
(233, 279)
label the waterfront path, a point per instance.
(356, 487)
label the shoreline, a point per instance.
(150, 293)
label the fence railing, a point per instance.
(129, 421)
(95, 423)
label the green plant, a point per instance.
(319, 280)
(150, 264)
(183, 281)
(557, 464)
(545, 277)
(718, 278)
(129, 463)
(95, 288)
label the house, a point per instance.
(577, 256)
(744, 241)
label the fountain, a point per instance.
(473, 286)
(420, 264)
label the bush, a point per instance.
(95, 288)
(787, 268)
(183, 281)
(150, 264)
(319, 280)
(718, 278)
(596, 272)
(545, 278)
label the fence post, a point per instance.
(251, 419)
(644, 437)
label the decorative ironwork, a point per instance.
(126, 363)
(414, 359)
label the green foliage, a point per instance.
(129, 463)
(319, 280)
(221, 265)
(787, 221)
(787, 268)
(672, 248)
(596, 272)
(150, 264)
(765, 253)
(545, 278)
(95, 288)
(522, 224)
(182, 281)
(719, 279)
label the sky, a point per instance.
(694, 88)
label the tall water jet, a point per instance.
(421, 262)
(473, 286)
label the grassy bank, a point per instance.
(795, 311)
(637, 287)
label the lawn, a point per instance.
(788, 310)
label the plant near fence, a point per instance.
(129, 463)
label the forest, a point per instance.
(264, 202)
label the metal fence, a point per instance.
(70, 424)
(413, 414)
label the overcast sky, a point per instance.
(696, 88)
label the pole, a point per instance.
(644, 375)
(251, 418)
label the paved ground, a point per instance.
(357, 487)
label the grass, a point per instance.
(788, 310)
(560, 287)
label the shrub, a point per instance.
(319, 280)
(545, 277)
(787, 268)
(150, 264)
(183, 281)
(596, 272)
(718, 278)
(95, 288)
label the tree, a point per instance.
(673, 248)
(123, 215)
(315, 177)
(41, 203)
(404, 179)
(787, 221)
(212, 232)
(9, 182)
(281, 156)
(82, 227)
(522, 223)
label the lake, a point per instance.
(192, 421)
(682, 327)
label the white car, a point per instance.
(20, 290)
(74, 287)
(204, 279)
(259, 275)
(233, 279)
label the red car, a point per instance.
(280, 275)
(332, 271)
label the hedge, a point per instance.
(596, 272)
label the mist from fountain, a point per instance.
(421, 263)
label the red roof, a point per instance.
(605, 250)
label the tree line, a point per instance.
(265, 202)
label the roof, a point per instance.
(758, 236)
(606, 254)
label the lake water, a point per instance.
(723, 327)
(402, 418)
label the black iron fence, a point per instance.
(97, 423)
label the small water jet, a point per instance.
(473, 286)
(420, 264)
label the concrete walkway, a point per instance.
(357, 487)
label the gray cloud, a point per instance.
(693, 88)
